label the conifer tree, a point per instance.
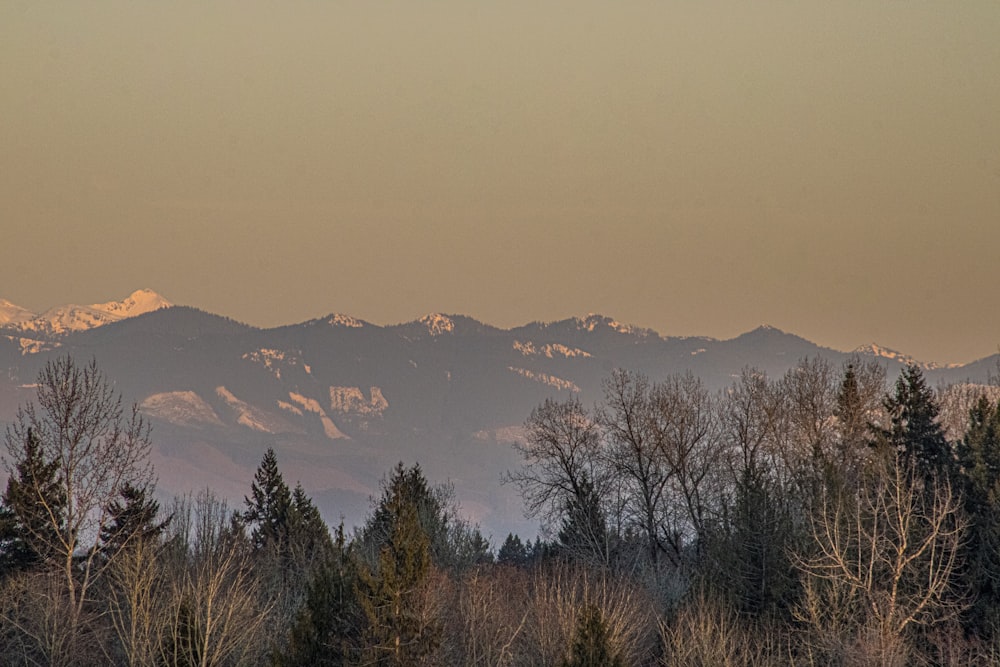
(914, 432)
(592, 644)
(31, 514)
(133, 517)
(268, 506)
(512, 551)
(327, 626)
(979, 457)
(392, 592)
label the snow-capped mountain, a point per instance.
(68, 318)
(876, 350)
(12, 314)
(342, 400)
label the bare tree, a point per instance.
(212, 611)
(562, 462)
(635, 455)
(883, 563)
(687, 438)
(98, 448)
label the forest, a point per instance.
(830, 516)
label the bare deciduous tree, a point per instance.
(98, 448)
(882, 562)
(562, 461)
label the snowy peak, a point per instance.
(437, 324)
(137, 303)
(878, 351)
(68, 318)
(11, 313)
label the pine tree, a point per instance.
(268, 508)
(592, 644)
(391, 594)
(327, 626)
(513, 551)
(584, 533)
(133, 518)
(979, 457)
(914, 432)
(31, 514)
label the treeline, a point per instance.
(820, 518)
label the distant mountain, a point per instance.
(342, 400)
(70, 318)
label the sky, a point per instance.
(700, 168)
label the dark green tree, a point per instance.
(979, 458)
(584, 535)
(134, 517)
(592, 643)
(392, 591)
(914, 431)
(268, 507)
(326, 632)
(512, 551)
(31, 514)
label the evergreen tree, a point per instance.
(391, 593)
(512, 551)
(327, 626)
(133, 518)
(760, 576)
(914, 431)
(268, 508)
(584, 533)
(592, 644)
(979, 457)
(31, 514)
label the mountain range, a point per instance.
(342, 400)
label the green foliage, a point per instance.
(979, 458)
(268, 506)
(392, 592)
(914, 431)
(513, 551)
(326, 628)
(133, 518)
(32, 512)
(584, 532)
(591, 643)
(760, 576)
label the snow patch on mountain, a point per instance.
(11, 313)
(339, 320)
(273, 360)
(545, 378)
(550, 350)
(312, 405)
(247, 415)
(180, 407)
(68, 318)
(437, 324)
(351, 400)
(32, 346)
(593, 321)
(878, 351)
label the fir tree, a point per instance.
(326, 628)
(914, 432)
(268, 506)
(591, 644)
(133, 518)
(584, 533)
(31, 515)
(512, 551)
(391, 594)
(979, 457)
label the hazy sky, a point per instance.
(830, 168)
